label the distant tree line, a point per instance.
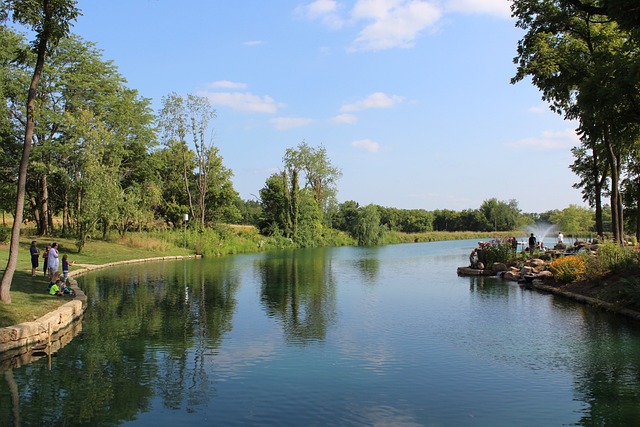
(369, 223)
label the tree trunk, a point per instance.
(7, 277)
(616, 215)
(36, 212)
(44, 207)
(295, 195)
(65, 213)
(598, 184)
(638, 219)
(186, 179)
(620, 205)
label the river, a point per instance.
(383, 336)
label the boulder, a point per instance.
(546, 274)
(511, 275)
(498, 266)
(535, 262)
(526, 270)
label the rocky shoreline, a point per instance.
(534, 274)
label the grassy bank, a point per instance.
(29, 297)
(438, 236)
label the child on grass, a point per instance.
(65, 267)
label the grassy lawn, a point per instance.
(29, 296)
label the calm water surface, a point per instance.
(385, 336)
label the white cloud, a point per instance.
(538, 109)
(325, 11)
(388, 24)
(375, 100)
(227, 84)
(345, 119)
(393, 23)
(366, 144)
(549, 140)
(284, 123)
(243, 101)
(500, 8)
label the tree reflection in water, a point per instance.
(147, 335)
(298, 288)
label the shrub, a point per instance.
(625, 292)
(615, 257)
(496, 250)
(568, 268)
(5, 233)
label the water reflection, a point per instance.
(608, 372)
(146, 337)
(298, 288)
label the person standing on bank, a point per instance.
(52, 260)
(35, 255)
(532, 244)
(65, 267)
(45, 258)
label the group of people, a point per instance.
(535, 244)
(51, 261)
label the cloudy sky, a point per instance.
(410, 98)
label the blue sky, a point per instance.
(411, 99)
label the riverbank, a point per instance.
(613, 293)
(29, 297)
(44, 330)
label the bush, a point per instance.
(5, 234)
(568, 268)
(625, 292)
(615, 257)
(496, 250)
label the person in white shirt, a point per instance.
(52, 260)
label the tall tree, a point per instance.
(174, 124)
(50, 21)
(75, 78)
(190, 117)
(200, 114)
(367, 230)
(587, 69)
(503, 216)
(15, 79)
(316, 169)
(275, 218)
(592, 171)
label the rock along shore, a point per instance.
(15, 340)
(534, 274)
